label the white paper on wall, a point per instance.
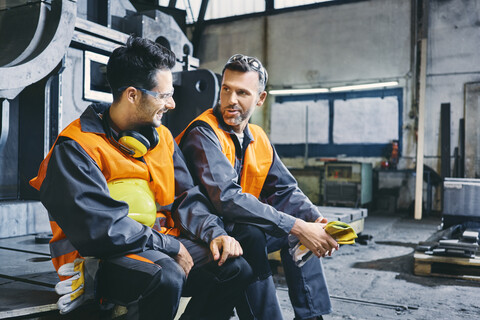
(365, 120)
(288, 122)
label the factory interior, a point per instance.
(372, 105)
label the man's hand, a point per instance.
(227, 246)
(322, 220)
(184, 259)
(313, 236)
(79, 287)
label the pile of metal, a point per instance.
(466, 246)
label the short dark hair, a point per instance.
(240, 62)
(136, 64)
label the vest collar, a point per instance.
(90, 120)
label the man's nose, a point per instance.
(232, 98)
(170, 104)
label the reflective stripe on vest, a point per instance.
(114, 164)
(61, 247)
(258, 156)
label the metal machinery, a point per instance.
(461, 202)
(348, 183)
(53, 55)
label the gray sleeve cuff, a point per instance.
(316, 214)
(286, 222)
(166, 244)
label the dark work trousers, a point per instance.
(214, 290)
(150, 284)
(260, 299)
(307, 286)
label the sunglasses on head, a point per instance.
(253, 62)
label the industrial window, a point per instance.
(217, 9)
(95, 84)
(295, 3)
(355, 124)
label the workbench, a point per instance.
(27, 278)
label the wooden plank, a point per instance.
(463, 277)
(444, 259)
(423, 269)
(421, 131)
(358, 225)
(450, 267)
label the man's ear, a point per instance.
(131, 94)
(261, 98)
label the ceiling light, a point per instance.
(297, 91)
(365, 86)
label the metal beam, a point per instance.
(199, 26)
(269, 5)
(4, 122)
(172, 3)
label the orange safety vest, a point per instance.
(158, 169)
(258, 156)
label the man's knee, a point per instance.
(250, 236)
(171, 278)
(254, 245)
(237, 271)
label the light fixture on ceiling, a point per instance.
(334, 89)
(297, 91)
(365, 86)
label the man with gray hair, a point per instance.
(256, 196)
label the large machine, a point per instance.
(348, 183)
(461, 202)
(53, 55)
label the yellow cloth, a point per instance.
(342, 232)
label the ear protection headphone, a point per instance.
(134, 143)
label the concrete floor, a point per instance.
(376, 280)
(370, 281)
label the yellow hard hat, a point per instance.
(139, 197)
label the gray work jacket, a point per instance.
(76, 196)
(280, 202)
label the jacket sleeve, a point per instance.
(281, 191)
(76, 195)
(192, 211)
(214, 172)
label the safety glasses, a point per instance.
(156, 95)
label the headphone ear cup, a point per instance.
(134, 141)
(151, 134)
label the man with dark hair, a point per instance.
(255, 194)
(117, 189)
(133, 65)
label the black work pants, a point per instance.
(254, 245)
(151, 283)
(214, 290)
(260, 299)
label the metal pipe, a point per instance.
(5, 114)
(306, 135)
